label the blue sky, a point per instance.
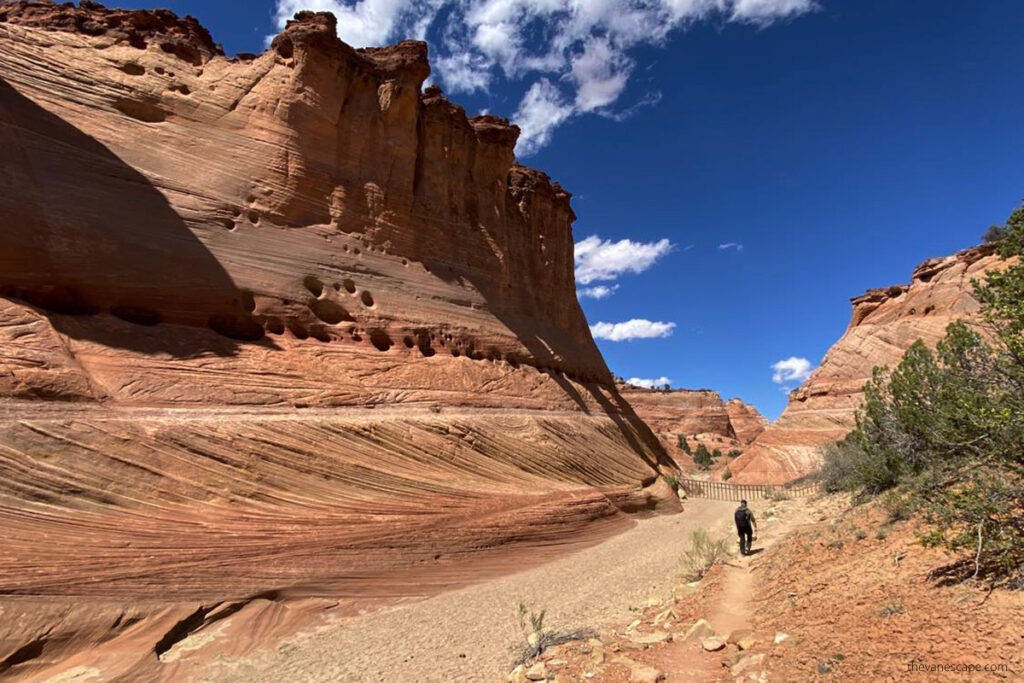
(834, 144)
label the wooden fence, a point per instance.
(719, 490)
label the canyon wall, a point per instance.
(699, 416)
(280, 335)
(883, 325)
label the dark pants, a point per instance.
(746, 536)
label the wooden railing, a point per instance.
(720, 490)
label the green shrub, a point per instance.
(944, 429)
(716, 454)
(704, 553)
(726, 475)
(684, 445)
(860, 534)
(734, 453)
(702, 456)
(673, 481)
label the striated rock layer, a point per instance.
(884, 324)
(279, 334)
(699, 416)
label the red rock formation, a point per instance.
(884, 323)
(697, 415)
(213, 269)
(747, 422)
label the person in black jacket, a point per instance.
(746, 526)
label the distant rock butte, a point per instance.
(213, 269)
(698, 415)
(884, 323)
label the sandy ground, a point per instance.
(472, 634)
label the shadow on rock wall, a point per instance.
(84, 233)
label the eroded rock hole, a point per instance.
(349, 286)
(133, 69)
(367, 299)
(240, 327)
(136, 315)
(319, 332)
(423, 342)
(274, 326)
(141, 110)
(60, 300)
(315, 287)
(408, 342)
(297, 330)
(330, 312)
(381, 340)
(254, 217)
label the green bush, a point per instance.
(734, 453)
(945, 429)
(704, 553)
(726, 474)
(702, 456)
(684, 445)
(716, 454)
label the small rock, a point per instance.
(700, 629)
(632, 626)
(588, 675)
(650, 638)
(662, 616)
(712, 643)
(780, 636)
(747, 664)
(555, 663)
(645, 674)
(742, 638)
(518, 674)
(537, 672)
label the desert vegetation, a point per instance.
(704, 553)
(940, 436)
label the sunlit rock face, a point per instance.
(698, 416)
(279, 333)
(884, 324)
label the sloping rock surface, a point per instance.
(884, 323)
(279, 334)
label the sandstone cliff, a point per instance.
(884, 323)
(214, 269)
(698, 415)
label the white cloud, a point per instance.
(792, 369)
(464, 72)
(766, 11)
(542, 110)
(365, 23)
(598, 292)
(579, 49)
(731, 245)
(649, 383)
(598, 259)
(637, 328)
(600, 73)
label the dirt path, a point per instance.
(731, 607)
(470, 634)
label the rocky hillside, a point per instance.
(279, 333)
(699, 416)
(884, 323)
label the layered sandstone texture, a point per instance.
(699, 416)
(279, 333)
(884, 324)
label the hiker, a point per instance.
(746, 526)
